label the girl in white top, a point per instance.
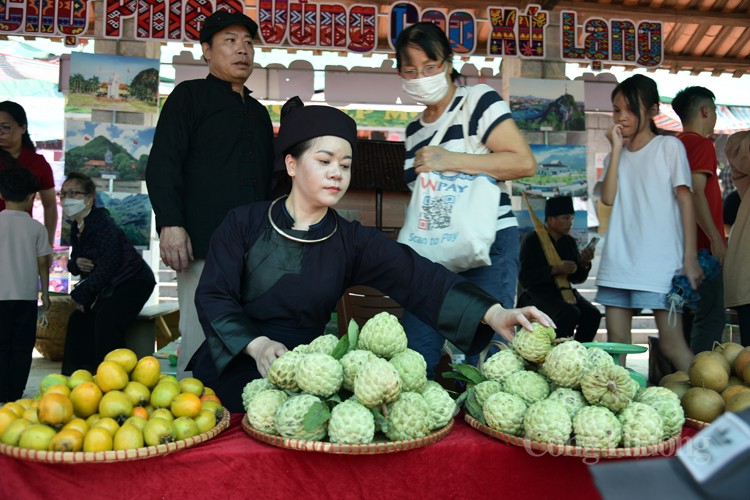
(651, 233)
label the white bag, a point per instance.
(452, 216)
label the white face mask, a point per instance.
(72, 207)
(427, 90)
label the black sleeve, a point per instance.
(109, 248)
(535, 271)
(164, 172)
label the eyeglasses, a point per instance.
(431, 70)
(6, 129)
(68, 194)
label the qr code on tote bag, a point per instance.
(436, 212)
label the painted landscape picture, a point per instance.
(131, 212)
(116, 83)
(547, 105)
(560, 171)
(107, 150)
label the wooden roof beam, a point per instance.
(737, 67)
(686, 16)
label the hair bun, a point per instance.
(289, 106)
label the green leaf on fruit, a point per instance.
(317, 415)
(353, 332)
(472, 406)
(471, 373)
(342, 347)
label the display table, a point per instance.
(465, 464)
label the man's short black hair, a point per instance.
(16, 183)
(689, 100)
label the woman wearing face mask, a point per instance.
(424, 62)
(16, 149)
(115, 280)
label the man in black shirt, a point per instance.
(537, 276)
(212, 151)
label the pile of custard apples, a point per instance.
(562, 392)
(351, 389)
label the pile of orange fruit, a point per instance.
(128, 403)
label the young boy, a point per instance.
(24, 247)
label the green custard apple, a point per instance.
(597, 427)
(504, 412)
(351, 423)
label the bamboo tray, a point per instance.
(79, 457)
(375, 448)
(665, 448)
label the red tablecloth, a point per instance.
(465, 464)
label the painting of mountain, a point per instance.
(131, 212)
(107, 150)
(560, 171)
(547, 105)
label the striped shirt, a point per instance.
(487, 110)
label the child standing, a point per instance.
(652, 233)
(24, 247)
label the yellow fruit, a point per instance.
(58, 389)
(184, 427)
(97, 439)
(138, 393)
(169, 378)
(13, 433)
(31, 415)
(85, 398)
(138, 422)
(158, 431)
(77, 424)
(186, 405)
(147, 371)
(36, 437)
(7, 417)
(52, 379)
(67, 440)
(78, 377)
(108, 423)
(117, 405)
(205, 420)
(208, 390)
(25, 402)
(162, 413)
(125, 357)
(14, 408)
(163, 394)
(140, 411)
(111, 376)
(92, 419)
(128, 437)
(214, 407)
(55, 410)
(192, 385)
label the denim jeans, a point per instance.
(498, 279)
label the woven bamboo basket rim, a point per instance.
(80, 457)
(665, 448)
(375, 448)
(696, 424)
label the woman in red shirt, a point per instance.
(16, 149)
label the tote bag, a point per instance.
(451, 217)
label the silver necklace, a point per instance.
(293, 238)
